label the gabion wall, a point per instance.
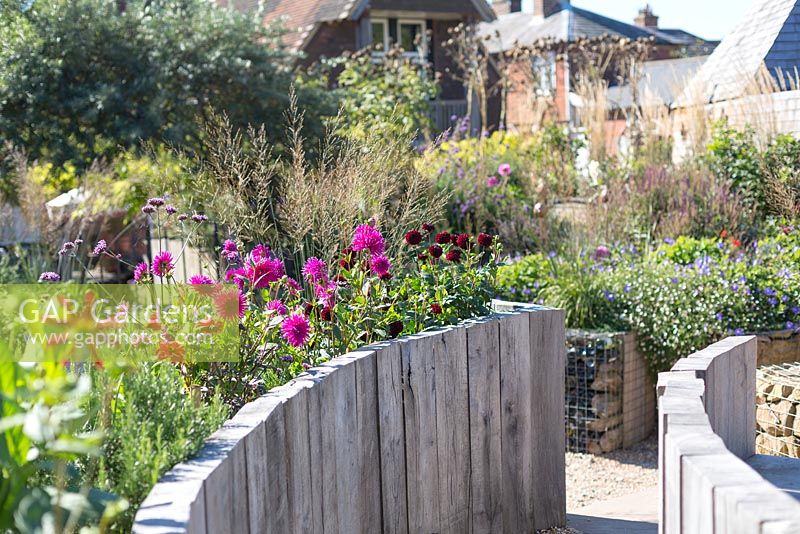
(610, 398)
(777, 407)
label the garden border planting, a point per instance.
(457, 429)
(706, 431)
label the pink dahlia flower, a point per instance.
(141, 272)
(201, 279)
(315, 270)
(163, 263)
(380, 265)
(504, 169)
(367, 237)
(230, 303)
(277, 306)
(296, 329)
(492, 181)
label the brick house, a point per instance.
(526, 23)
(327, 28)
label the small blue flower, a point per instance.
(738, 332)
(669, 241)
(796, 310)
(719, 316)
(609, 296)
(674, 280)
(789, 325)
(526, 291)
(551, 254)
(769, 292)
(773, 301)
(627, 288)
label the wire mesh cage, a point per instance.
(777, 407)
(609, 396)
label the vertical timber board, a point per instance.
(219, 498)
(266, 471)
(394, 502)
(720, 395)
(275, 467)
(315, 426)
(483, 361)
(739, 403)
(298, 461)
(339, 447)
(422, 462)
(516, 423)
(750, 359)
(368, 484)
(197, 515)
(548, 362)
(452, 429)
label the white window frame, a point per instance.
(385, 23)
(422, 52)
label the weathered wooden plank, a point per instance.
(298, 459)
(740, 440)
(419, 401)
(452, 429)
(483, 360)
(265, 446)
(516, 423)
(366, 430)
(340, 452)
(319, 514)
(718, 391)
(392, 439)
(749, 411)
(548, 362)
(701, 475)
(176, 504)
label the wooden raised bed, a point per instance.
(455, 430)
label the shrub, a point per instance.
(41, 417)
(390, 94)
(511, 201)
(78, 79)
(151, 422)
(678, 298)
(664, 202)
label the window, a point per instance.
(380, 34)
(412, 35)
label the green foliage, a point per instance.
(389, 93)
(151, 423)
(41, 418)
(733, 155)
(79, 78)
(575, 283)
(686, 250)
(757, 173)
(512, 206)
(678, 298)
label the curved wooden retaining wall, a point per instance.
(706, 431)
(454, 430)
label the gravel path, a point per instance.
(592, 478)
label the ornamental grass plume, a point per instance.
(307, 205)
(296, 329)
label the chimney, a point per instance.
(545, 8)
(646, 18)
(503, 7)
